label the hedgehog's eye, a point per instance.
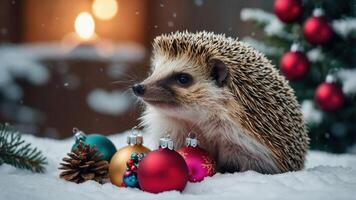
(184, 79)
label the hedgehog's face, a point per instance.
(182, 87)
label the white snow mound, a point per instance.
(326, 176)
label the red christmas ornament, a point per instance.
(329, 96)
(200, 163)
(294, 65)
(163, 169)
(317, 29)
(287, 10)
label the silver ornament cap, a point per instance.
(166, 142)
(191, 140)
(330, 78)
(296, 47)
(135, 137)
(79, 135)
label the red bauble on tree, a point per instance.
(317, 29)
(329, 95)
(287, 10)
(200, 163)
(294, 65)
(163, 169)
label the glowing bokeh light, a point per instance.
(84, 25)
(105, 9)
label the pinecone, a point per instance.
(84, 163)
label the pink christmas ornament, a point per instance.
(199, 162)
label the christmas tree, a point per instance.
(313, 43)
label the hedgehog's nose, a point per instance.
(138, 89)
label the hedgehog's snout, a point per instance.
(153, 93)
(138, 89)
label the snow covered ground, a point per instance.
(326, 176)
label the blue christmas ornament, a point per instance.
(131, 180)
(102, 143)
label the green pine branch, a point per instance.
(14, 151)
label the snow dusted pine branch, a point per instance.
(310, 113)
(272, 25)
(315, 55)
(347, 77)
(14, 151)
(345, 27)
(266, 49)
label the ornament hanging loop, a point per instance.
(79, 135)
(296, 47)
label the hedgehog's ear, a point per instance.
(219, 71)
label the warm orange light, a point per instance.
(84, 25)
(105, 9)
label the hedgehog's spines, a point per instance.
(270, 113)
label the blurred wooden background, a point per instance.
(139, 21)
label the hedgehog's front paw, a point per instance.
(227, 169)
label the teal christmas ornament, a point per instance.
(102, 143)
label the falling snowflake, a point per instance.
(170, 24)
(3, 31)
(199, 2)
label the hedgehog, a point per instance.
(242, 110)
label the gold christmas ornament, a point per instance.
(117, 165)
